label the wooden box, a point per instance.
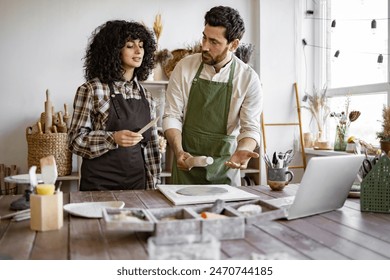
(268, 211)
(128, 219)
(175, 221)
(231, 227)
(46, 212)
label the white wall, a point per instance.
(43, 43)
(283, 24)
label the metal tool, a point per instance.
(279, 160)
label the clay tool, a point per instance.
(8, 216)
(149, 125)
(218, 206)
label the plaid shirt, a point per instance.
(88, 137)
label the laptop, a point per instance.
(324, 187)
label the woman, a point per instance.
(111, 106)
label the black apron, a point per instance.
(122, 168)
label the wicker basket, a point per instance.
(375, 188)
(42, 145)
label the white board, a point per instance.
(232, 194)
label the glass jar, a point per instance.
(340, 142)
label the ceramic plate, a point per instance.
(22, 179)
(91, 209)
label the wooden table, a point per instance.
(346, 233)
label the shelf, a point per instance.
(311, 151)
(74, 176)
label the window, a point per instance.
(348, 30)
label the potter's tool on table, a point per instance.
(24, 202)
(218, 206)
(49, 170)
(198, 161)
(149, 125)
(17, 216)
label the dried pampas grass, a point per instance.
(157, 27)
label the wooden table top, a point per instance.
(346, 233)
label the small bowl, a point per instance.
(277, 185)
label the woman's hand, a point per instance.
(240, 159)
(127, 138)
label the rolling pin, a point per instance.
(66, 115)
(61, 126)
(39, 125)
(54, 116)
(200, 161)
(48, 113)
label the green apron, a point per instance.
(205, 132)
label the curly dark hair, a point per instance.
(103, 56)
(228, 18)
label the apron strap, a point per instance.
(114, 100)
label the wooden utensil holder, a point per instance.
(46, 212)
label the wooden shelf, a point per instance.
(314, 152)
(74, 176)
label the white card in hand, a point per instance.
(149, 125)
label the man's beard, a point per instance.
(208, 59)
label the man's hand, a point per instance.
(181, 158)
(240, 159)
(127, 138)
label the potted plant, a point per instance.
(384, 135)
(317, 104)
(343, 121)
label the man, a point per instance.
(213, 105)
